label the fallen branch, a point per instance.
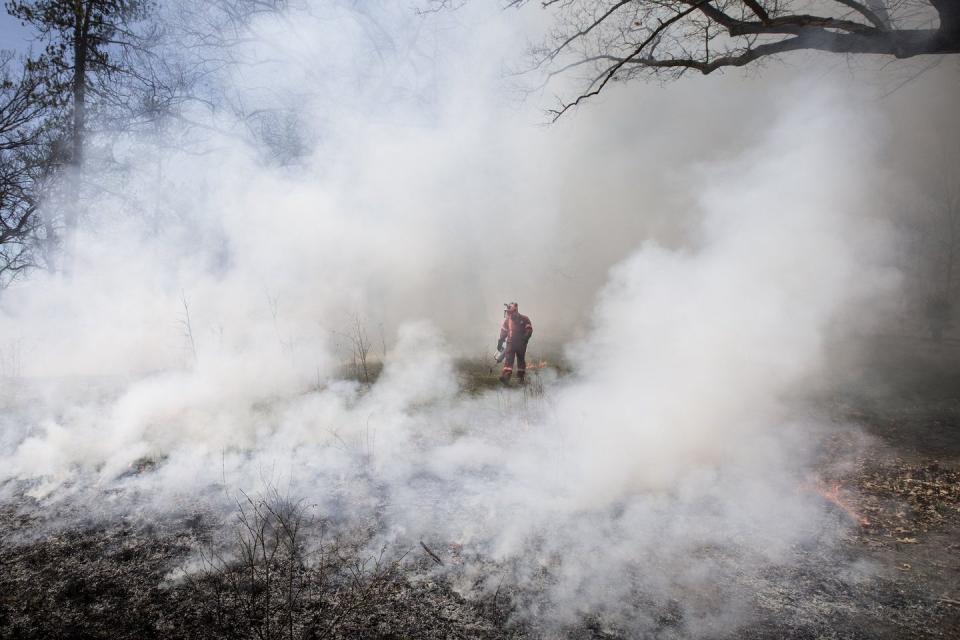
(431, 553)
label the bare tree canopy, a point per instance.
(22, 154)
(624, 39)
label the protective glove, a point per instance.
(499, 345)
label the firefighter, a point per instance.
(515, 333)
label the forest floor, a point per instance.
(898, 491)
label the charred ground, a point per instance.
(893, 484)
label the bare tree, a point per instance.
(359, 342)
(187, 325)
(611, 40)
(83, 38)
(213, 38)
(107, 68)
(946, 210)
(23, 158)
(940, 222)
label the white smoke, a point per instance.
(667, 461)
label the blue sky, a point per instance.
(12, 35)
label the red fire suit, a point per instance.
(516, 331)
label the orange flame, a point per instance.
(832, 495)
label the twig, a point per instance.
(187, 325)
(431, 553)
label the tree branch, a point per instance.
(863, 10)
(611, 72)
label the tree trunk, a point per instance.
(953, 219)
(81, 41)
(81, 28)
(949, 33)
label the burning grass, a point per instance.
(892, 495)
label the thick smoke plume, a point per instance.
(671, 458)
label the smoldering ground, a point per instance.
(667, 468)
